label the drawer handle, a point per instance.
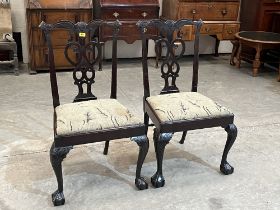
(194, 11)
(144, 14)
(230, 32)
(207, 29)
(210, 6)
(224, 12)
(116, 15)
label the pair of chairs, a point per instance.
(90, 120)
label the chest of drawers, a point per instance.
(220, 17)
(128, 12)
(52, 12)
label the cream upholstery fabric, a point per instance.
(5, 20)
(186, 106)
(89, 116)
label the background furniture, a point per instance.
(89, 119)
(259, 40)
(128, 12)
(276, 22)
(51, 12)
(7, 43)
(174, 111)
(220, 17)
(257, 15)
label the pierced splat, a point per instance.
(83, 51)
(170, 38)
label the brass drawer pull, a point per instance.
(224, 12)
(194, 11)
(230, 32)
(144, 14)
(116, 15)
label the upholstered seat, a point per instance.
(90, 116)
(186, 106)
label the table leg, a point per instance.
(238, 56)
(217, 44)
(235, 44)
(257, 62)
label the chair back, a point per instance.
(83, 51)
(169, 37)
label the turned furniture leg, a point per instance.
(238, 56)
(235, 44)
(107, 143)
(225, 167)
(160, 141)
(183, 137)
(217, 44)
(143, 144)
(15, 59)
(57, 154)
(257, 62)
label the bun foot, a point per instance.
(141, 183)
(157, 180)
(58, 198)
(226, 168)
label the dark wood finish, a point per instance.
(87, 49)
(276, 22)
(128, 12)
(256, 15)
(259, 41)
(51, 12)
(163, 132)
(220, 17)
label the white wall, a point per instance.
(207, 43)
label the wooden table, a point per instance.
(259, 40)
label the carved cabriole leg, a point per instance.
(57, 154)
(225, 167)
(143, 144)
(160, 141)
(183, 137)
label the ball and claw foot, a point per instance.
(141, 183)
(58, 198)
(158, 180)
(226, 168)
